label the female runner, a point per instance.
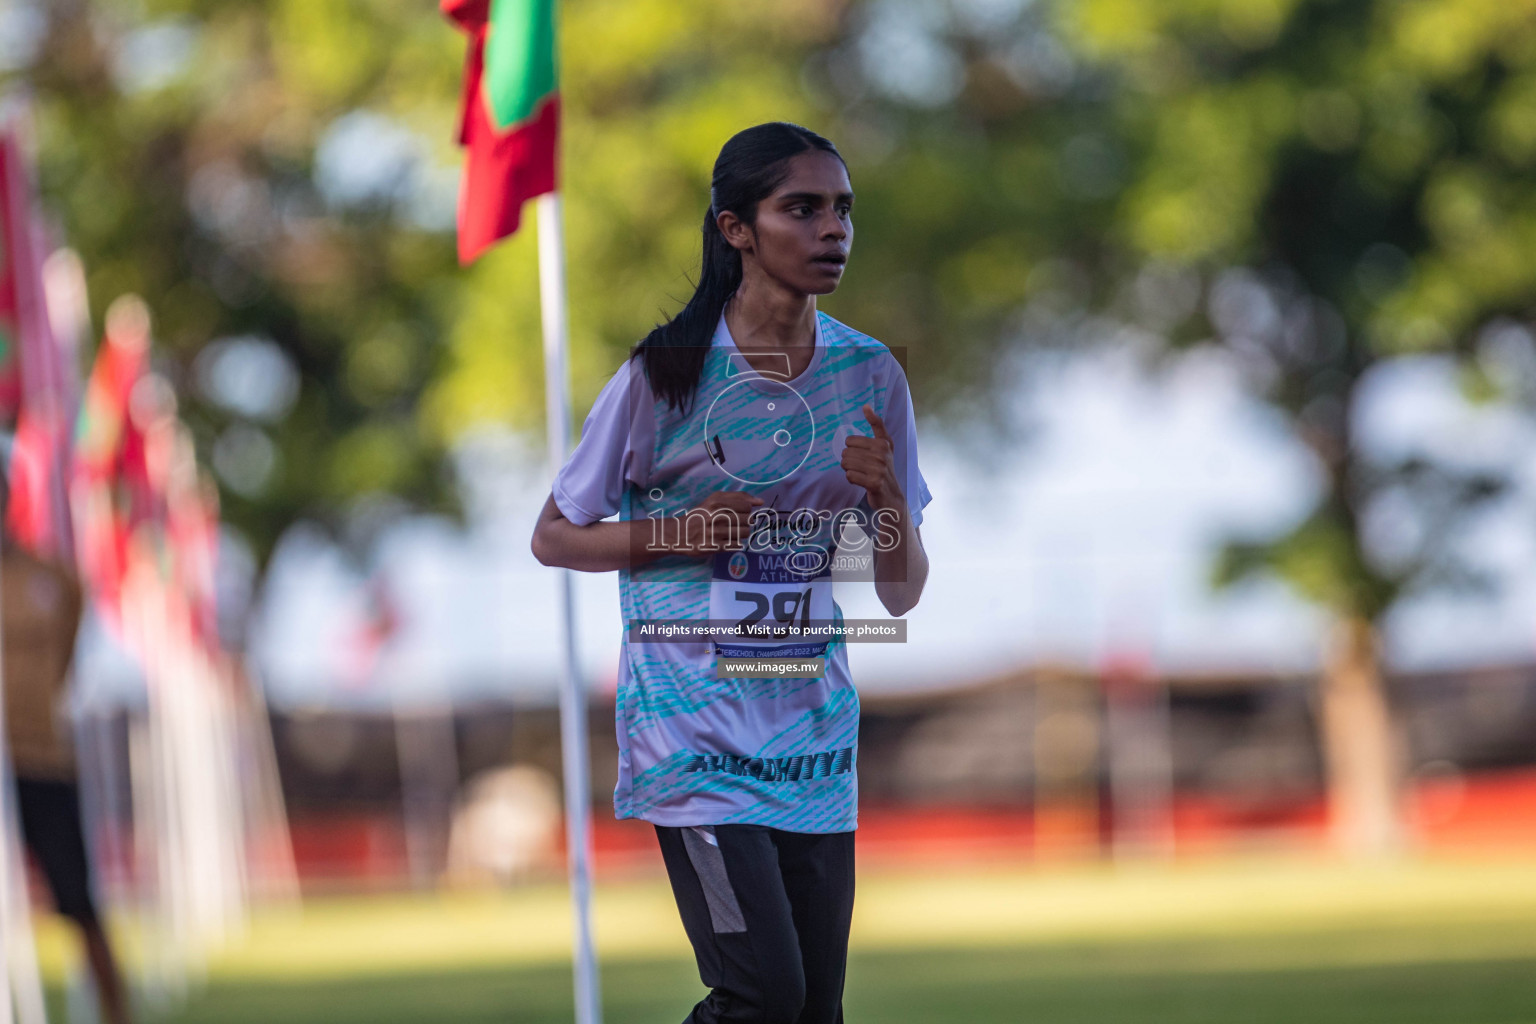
(737, 444)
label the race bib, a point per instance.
(757, 596)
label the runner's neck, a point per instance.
(770, 319)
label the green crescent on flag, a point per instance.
(519, 58)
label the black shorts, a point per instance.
(50, 824)
(768, 914)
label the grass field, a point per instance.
(1255, 942)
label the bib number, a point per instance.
(757, 598)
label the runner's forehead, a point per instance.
(814, 175)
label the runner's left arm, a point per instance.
(901, 564)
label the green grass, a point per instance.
(1252, 942)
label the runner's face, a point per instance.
(804, 229)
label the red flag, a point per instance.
(30, 510)
(510, 123)
(37, 386)
(111, 490)
(13, 260)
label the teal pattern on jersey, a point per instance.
(669, 700)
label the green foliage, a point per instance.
(178, 144)
(183, 144)
(192, 151)
(650, 91)
(1370, 163)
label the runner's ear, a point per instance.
(736, 232)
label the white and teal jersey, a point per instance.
(695, 749)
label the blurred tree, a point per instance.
(278, 179)
(261, 173)
(650, 91)
(1352, 183)
(987, 174)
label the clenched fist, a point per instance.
(870, 463)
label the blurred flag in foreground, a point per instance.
(11, 296)
(111, 489)
(37, 384)
(510, 122)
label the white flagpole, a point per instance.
(573, 694)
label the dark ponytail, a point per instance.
(750, 166)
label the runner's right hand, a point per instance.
(721, 522)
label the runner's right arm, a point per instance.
(718, 522)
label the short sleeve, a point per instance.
(615, 450)
(901, 423)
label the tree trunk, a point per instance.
(1362, 746)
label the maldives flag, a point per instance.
(112, 488)
(37, 384)
(511, 116)
(10, 320)
(20, 277)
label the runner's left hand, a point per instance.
(870, 463)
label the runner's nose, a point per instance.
(832, 227)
